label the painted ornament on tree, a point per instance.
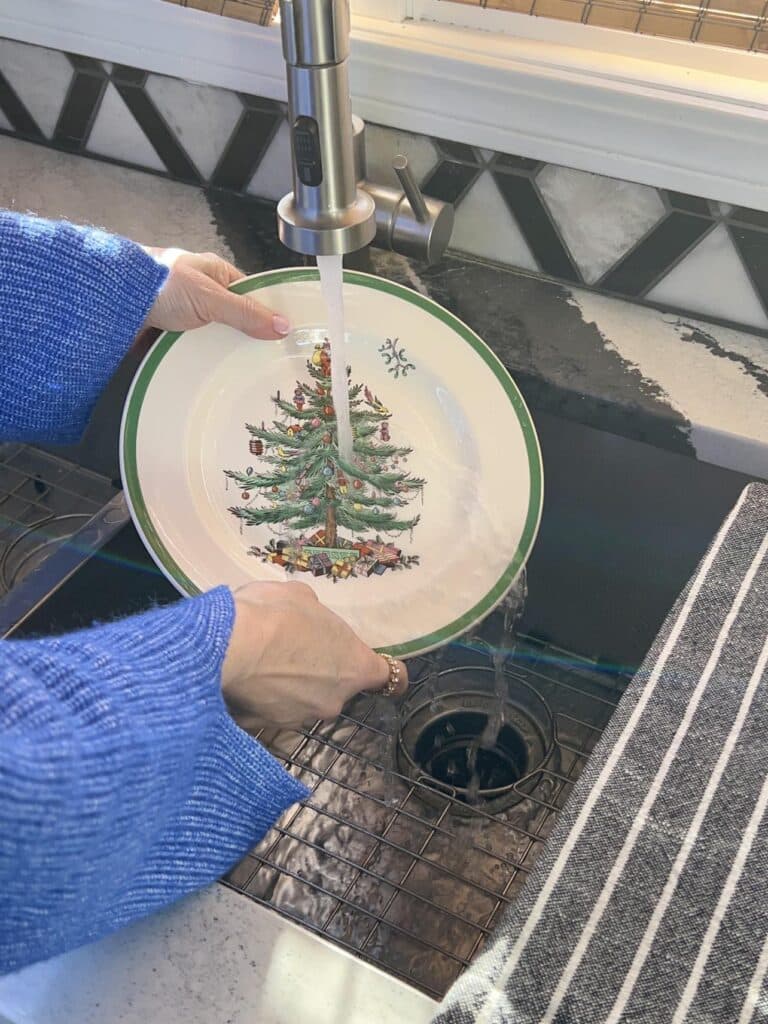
(329, 525)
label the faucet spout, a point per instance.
(326, 214)
(334, 209)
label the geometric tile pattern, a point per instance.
(616, 237)
(41, 76)
(116, 133)
(15, 112)
(185, 107)
(517, 184)
(259, 123)
(599, 218)
(271, 179)
(713, 277)
(383, 144)
(81, 103)
(485, 227)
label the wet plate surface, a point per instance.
(233, 473)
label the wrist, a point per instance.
(243, 653)
(232, 666)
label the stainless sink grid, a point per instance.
(403, 870)
(396, 868)
(43, 500)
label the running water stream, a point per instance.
(512, 608)
(332, 286)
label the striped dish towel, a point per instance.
(650, 902)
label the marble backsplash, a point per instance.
(669, 250)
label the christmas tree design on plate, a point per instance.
(329, 518)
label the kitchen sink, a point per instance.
(390, 857)
(421, 826)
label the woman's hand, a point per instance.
(292, 661)
(195, 293)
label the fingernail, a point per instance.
(280, 325)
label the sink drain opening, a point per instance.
(450, 750)
(451, 740)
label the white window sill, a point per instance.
(690, 118)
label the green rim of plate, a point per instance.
(473, 615)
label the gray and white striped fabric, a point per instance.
(650, 901)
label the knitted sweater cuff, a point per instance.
(238, 792)
(124, 782)
(73, 300)
(237, 778)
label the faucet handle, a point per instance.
(410, 187)
(420, 227)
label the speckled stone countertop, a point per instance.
(635, 411)
(214, 958)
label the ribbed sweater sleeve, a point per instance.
(124, 783)
(72, 299)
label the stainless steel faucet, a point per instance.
(333, 208)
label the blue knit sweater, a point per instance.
(124, 783)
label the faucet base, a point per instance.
(330, 235)
(399, 228)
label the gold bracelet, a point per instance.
(392, 686)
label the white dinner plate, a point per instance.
(232, 472)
